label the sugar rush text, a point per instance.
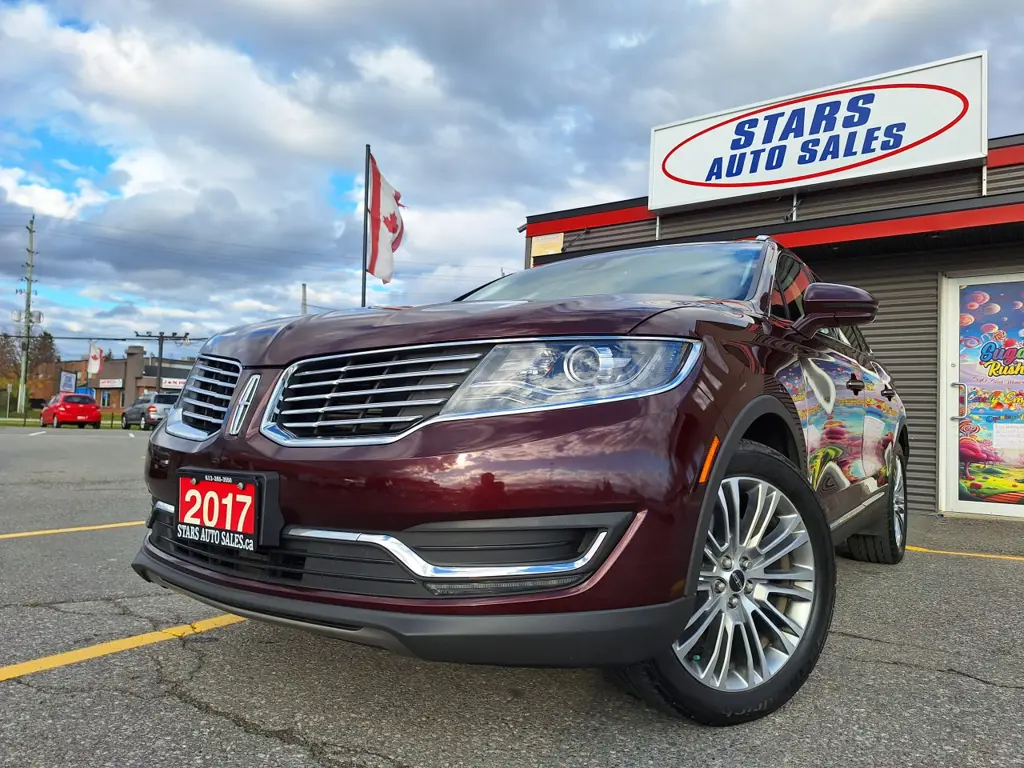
(830, 130)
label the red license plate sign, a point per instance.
(218, 509)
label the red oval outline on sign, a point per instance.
(891, 86)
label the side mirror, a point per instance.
(827, 305)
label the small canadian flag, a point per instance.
(95, 360)
(385, 228)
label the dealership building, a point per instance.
(891, 184)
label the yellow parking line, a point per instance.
(115, 646)
(965, 554)
(23, 534)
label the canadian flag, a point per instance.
(385, 228)
(95, 360)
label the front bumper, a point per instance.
(569, 639)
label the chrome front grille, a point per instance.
(371, 394)
(205, 400)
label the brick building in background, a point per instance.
(119, 382)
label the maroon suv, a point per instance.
(637, 460)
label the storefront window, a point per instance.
(105, 399)
(991, 383)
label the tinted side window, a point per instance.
(857, 338)
(792, 278)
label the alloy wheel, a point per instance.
(899, 505)
(756, 588)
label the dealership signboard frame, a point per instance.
(930, 116)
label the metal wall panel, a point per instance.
(721, 219)
(885, 195)
(1009, 178)
(608, 237)
(905, 336)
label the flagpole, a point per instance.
(366, 216)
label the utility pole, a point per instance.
(303, 298)
(30, 264)
(160, 351)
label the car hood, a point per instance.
(282, 341)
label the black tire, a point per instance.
(56, 423)
(667, 685)
(81, 426)
(890, 546)
(124, 422)
(96, 425)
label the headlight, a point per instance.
(529, 375)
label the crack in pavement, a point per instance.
(946, 671)
(901, 644)
(52, 603)
(318, 750)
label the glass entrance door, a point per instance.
(984, 467)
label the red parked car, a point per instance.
(71, 408)
(638, 460)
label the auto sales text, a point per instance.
(213, 536)
(830, 130)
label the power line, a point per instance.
(99, 338)
(161, 337)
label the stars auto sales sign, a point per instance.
(928, 116)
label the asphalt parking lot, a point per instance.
(924, 665)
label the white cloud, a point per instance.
(399, 68)
(28, 190)
(628, 40)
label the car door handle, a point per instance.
(855, 385)
(888, 392)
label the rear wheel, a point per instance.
(890, 546)
(764, 600)
(96, 425)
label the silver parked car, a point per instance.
(149, 410)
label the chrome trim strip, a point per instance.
(391, 363)
(350, 422)
(163, 506)
(201, 404)
(367, 392)
(215, 382)
(276, 434)
(420, 567)
(203, 417)
(384, 377)
(859, 508)
(244, 401)
(363, 406)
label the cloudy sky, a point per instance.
(191, 163)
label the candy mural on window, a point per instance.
(991, 434)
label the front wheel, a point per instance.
(764, 600)
(56, 423)
(124, 422)
(42, 422)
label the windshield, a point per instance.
(79, 400)
(166, 399)
(711, 270)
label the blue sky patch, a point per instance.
(341, 187)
